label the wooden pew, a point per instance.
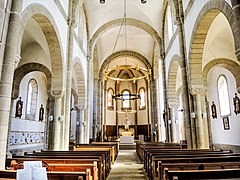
(59, 165)
(140, 147)
(101, 165)
(194, 166)
(98, 147)
(104, 153)
(198, 159)
(152, 157)
(11, 174)
(202, 174)
(115, 144)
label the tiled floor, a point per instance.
(127, 167)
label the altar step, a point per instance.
(127, 146)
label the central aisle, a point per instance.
(127, 167)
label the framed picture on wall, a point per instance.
(226, 125)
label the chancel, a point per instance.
(120, 89)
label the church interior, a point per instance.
(104, 89)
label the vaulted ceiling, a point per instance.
(137, 34)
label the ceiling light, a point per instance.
(102, 1)
(143, 1)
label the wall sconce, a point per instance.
(78, 123)
(50, 118)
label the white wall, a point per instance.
(29, 133)
(219, 135)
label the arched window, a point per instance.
(126, 101)
(169, 22)
(143, 99)
(223, 96)
(32, 99)
(110, 99)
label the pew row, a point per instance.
(11, 175)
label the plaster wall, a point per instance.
(83, 59)
(219, 41)
(219, 135)
(42, 92)
(169, 56)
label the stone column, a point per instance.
(82, 124)
(71, 25)
(100, 108)
(89, 94)
(172, 116)
(236, 28)
(7, 75)
(57, 123)
(183, 65)
(205, 121)
(10, 126)
(199, 125)
(78, 127)
(157, 104)
(153, 102)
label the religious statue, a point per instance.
(19, 107)
(164, 117)
(214, 111)
(41, 113)
(236, 103)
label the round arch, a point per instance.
(81, 89)
(205, 18)
(228, 64)
(50, 30)
(21, 71)
(119, 54)
(131, 22)
(172, 80)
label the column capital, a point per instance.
(173, 105)
(81, 107)
(198, 90)
(57, 93)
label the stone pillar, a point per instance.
(89, 94)
(57, 123)
(154, 105)
(183, 64)
(205, 121)
(236, 28)
(199, 125)
(100, 108)
(78, 126)
(173, 119)
(7, 75)
(71, 25)
(82, 124)
(9, 126)
(157, 105)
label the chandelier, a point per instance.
(142, 73)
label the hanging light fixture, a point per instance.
(142, 72)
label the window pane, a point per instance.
(223, 96)
(142, 95)
(126, 103)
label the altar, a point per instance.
(126, 139)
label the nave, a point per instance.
(127, 167)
